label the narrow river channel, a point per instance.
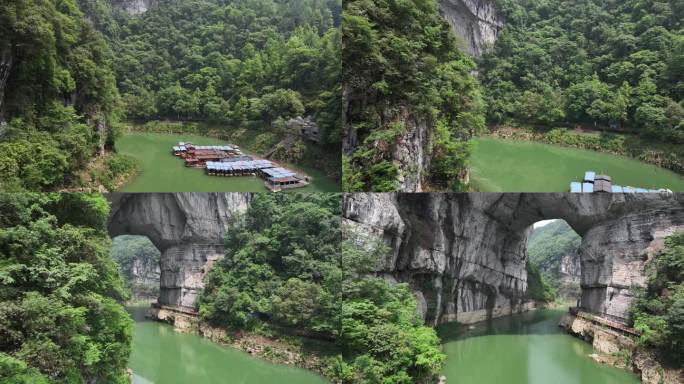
(527, 348)
(161, 355)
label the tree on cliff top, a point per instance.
(60, 320)
(402, 66)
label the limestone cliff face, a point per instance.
(464, 254)
(187, 228)
(476, 22)
(412, 151)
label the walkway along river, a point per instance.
(527, 348)
(161, 355)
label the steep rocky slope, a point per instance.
(188, 230)
(476, 22)
(464, 254)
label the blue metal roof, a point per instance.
(589, 176)
(576, 187)
(618, 189)
(588, 188)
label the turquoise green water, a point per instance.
(528, 348)
(518, 166)
(162, 356)
(163, 172)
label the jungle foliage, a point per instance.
(287, 269)
(658, 312)
(243, 63)
(403, 72)
(60, 317)
(60, 86)
(591, 63)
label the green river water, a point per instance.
(161, 355)
(518, 166)
(528, 348)
(163, 172)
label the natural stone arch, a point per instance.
(187, 228)
(464, 254)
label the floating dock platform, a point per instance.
(594, 183)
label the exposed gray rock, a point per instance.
(464, 254)
(476, 22)
(304, 127)
(187, 228)
(134, 7)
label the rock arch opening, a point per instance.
(464, 254)
(138, 261)
(553, 260)
(188, 230)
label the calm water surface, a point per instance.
(162, 356)
(528, 348)
(163, 172)
(518, 166)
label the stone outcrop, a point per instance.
(187, 228)
(134, 7)
(476, 22)
(305, 128)
(464, 254)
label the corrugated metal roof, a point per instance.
(576, 187)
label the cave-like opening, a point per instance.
(138, 260)
(553, 262)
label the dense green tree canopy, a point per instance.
(589, 62)
(286, 267)
(59, 88)
(238, 62)
(60, 320)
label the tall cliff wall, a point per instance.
(464, 254)
(476, 22)
(187, 228)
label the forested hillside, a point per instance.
(60, 315)
(594, 63)
(411, 102)
(243, 63)
(71, 70)
(58, 95)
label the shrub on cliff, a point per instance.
(59, 315)
(658, 312)
(403, 67)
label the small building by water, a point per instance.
(593, 183)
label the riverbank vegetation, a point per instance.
(658, 312)
(245, 67)
(666, 155)
(405, 78)
(591, 63)
(248, 65)
(60, 315)
(286, 272)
